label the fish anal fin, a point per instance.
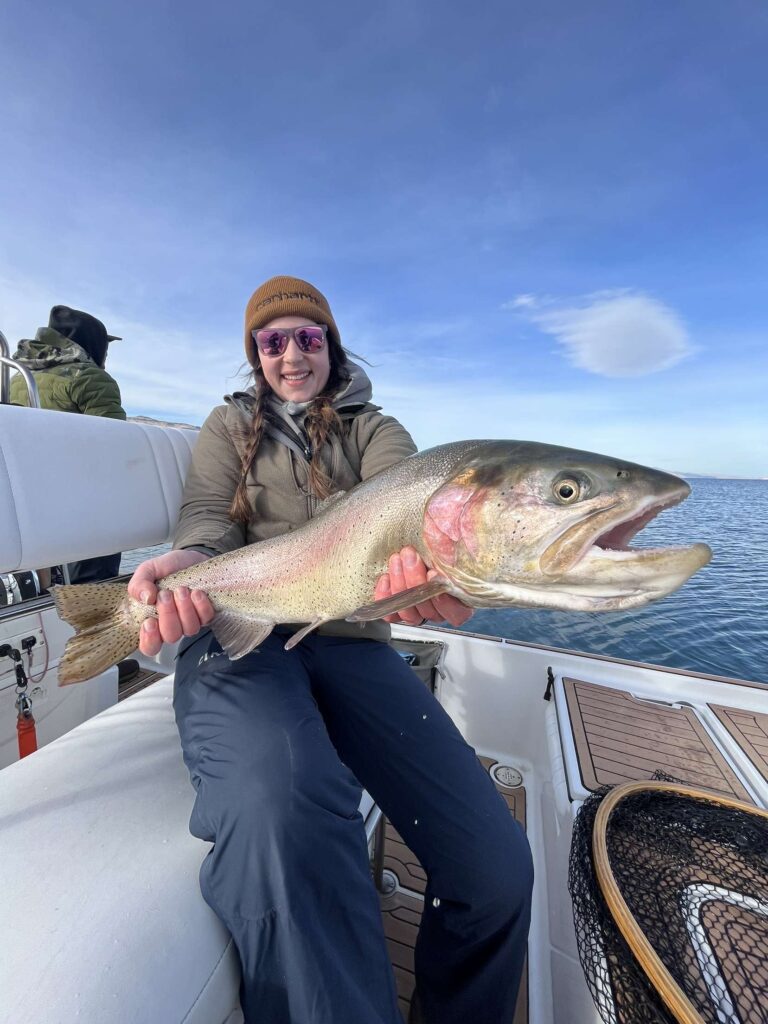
(405, 599)
(304, 631)
(238, 634)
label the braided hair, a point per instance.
(322, 420)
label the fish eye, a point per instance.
(567, 491)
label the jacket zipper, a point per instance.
(294, 435)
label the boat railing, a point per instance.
(5, 377)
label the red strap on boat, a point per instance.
(25, 728)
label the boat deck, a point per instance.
(622, 738)
(749, 729)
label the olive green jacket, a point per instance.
(67, 378)
(278, 487)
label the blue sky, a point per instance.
(544, 221)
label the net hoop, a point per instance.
(674, 998)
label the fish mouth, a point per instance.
(592, 567)
(604, 537)
(617, 537)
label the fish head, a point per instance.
(531, 524)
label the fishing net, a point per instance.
(670, 899)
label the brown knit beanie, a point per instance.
(286, 296)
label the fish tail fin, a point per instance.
(104, 634)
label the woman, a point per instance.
(279, 742)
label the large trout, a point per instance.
(502, 522)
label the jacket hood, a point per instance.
(355, 393)
(49, 348)
(84, 329)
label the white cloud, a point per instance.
(521, 302)
(617, 335)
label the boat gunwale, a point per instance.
(670, 669)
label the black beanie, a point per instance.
(86, 330)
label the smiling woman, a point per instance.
(266, 721)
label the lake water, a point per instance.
(717, 622)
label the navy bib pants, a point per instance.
(278, 744)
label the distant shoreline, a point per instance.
(162, 423)
(717, 476)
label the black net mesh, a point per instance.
(694, 875)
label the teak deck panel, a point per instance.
(750, 730)
(401, 910)
(620, 738)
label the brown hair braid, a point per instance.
(322, 421)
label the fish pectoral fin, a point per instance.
(304, 631)
(239, 634)
(405, 599)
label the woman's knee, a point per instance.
(282, 798)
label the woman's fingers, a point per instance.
(187, 612)
(205, 610)
(179, 613)
(415, 574)
(406, 570)
(451, 609)
(150, 640)
(141, 585)
(168, 618)
(412, 616)
(382, 591)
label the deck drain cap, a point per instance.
(388, 882)
(507, 776)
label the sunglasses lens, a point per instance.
(310, 339)
(271, 343)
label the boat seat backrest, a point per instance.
(74, 487)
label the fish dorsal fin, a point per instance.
(238, 634)
(304, 631)
(405, 599)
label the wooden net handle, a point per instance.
(674, 998)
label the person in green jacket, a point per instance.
(67, 360)
(278, 743)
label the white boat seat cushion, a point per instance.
(100, 906)
(96, 487)
(99, 899)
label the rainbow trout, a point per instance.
(503, 523)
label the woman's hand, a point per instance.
(406, 569)
(179, 613)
